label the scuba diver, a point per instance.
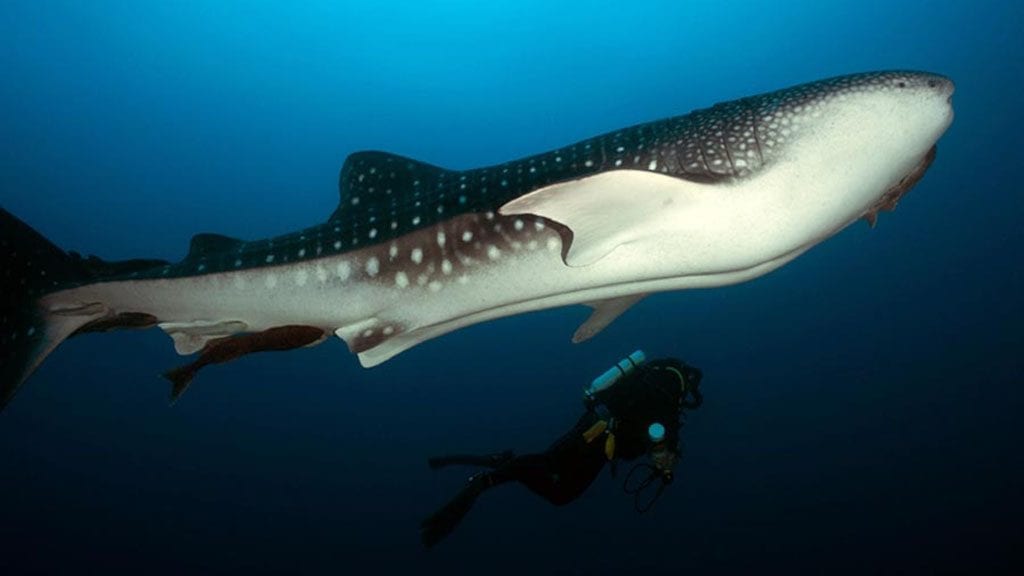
(632, 410)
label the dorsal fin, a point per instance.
(370, 181)
(205, 244)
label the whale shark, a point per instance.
(413, 251)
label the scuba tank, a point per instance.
(624, 367)
(606, 425)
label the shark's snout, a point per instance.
(930, 97)
(944, 86)
(935, 83)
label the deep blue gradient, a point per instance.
(862, 402)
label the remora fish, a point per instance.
(413, 251)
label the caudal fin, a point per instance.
(30, 267)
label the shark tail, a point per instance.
(30, 268)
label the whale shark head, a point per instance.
(730, 192)
(867, 138)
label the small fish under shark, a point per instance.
(413, 251)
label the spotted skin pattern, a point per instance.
(384, 197)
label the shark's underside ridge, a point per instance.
(413, 251)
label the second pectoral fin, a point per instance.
(605, 312)
(600, 213)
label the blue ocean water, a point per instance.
(861, 403)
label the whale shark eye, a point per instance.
(901, 84)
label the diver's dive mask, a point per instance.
(692, 375)
(691, 398)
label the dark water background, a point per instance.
(863, 402)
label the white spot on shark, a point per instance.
(416, 255)
(270, 258)
(401, 279)
(435, 286)
(372, 266)
(344, 270)
(321, 274)
(467, 236)
(301, 276)
(446, 266)
(441, 239)
(493, 252)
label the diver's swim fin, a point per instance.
(444, 521)
(487, 460)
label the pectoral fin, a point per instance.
(605, 211)
(605, 312)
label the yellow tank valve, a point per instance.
(609, 446)
(595, 430)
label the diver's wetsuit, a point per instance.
(614, 427)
